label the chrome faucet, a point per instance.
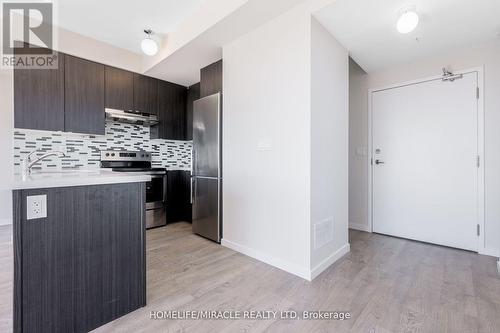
(28, 163)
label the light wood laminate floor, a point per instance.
(387, 284)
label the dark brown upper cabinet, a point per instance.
(211, 79)
(172, 111)
(145, 94)
(73, 98)
(39, 98)
(119, 89)
(192, 95)
(84, 96)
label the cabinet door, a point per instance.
(172, 106)
(145, 94)
(192, 95)
(211, 79)
(39, 98)
(178, 196)
(119, 89)
(84, 96)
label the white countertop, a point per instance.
(65, 178)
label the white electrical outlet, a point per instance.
(36, 207)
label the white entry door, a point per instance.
(425, 173)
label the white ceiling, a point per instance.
(367, 28)
(121, 22)
(183, 65)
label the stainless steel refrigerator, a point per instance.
(206, 176)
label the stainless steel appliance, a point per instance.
(206, 176)
(132, 117)
(156, 189)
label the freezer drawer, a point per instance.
(206, 208)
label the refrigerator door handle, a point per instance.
(193, 153)
(192, 189)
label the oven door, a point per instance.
(156, 192)
(156, 189)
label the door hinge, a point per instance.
(371, 161)
(478, 230)
(477, 93)
(478, 161)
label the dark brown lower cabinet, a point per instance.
(83, 265)
(178, 196)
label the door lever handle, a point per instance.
(377, 162)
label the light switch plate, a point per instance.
(264, 145)
(36, 206)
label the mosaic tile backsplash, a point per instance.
(83, 151)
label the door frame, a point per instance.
(481, 249)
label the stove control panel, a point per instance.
(116, 155)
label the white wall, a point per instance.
(358, 139)
(267, 104)
(6, 140)
(487, 55)
(269, 151)
(329, 146)
(84, 47)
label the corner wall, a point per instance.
(329, 149)
(358, 151)
(285, 125)
(266, 143)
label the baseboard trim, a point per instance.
(5, 221)
(270, 260)
(330, 260)
(359, 226)
(489, 252)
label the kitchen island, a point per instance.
(79, 262)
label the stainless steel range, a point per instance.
(156, 189)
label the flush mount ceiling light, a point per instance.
(407, 22)
(148, 44)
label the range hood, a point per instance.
(132, 117)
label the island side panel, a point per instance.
(83, 265)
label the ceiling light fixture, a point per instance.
(407, 22)
(148, 44)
